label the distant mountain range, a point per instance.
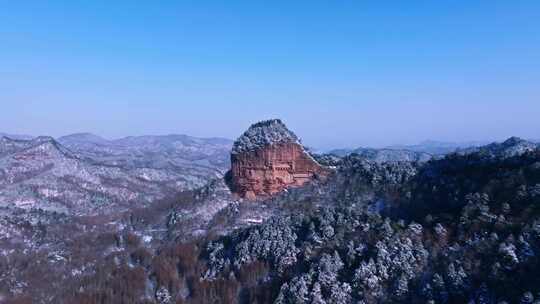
(514, 146)
(91, 141)
(435, 149)
(385, 155)
(16, 136)
(429, 146)
(152, 151)
(83, 173)
(439, 147)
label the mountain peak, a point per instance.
(43, 139)
(83, 137)
(514, 140)
(513, 146)
(16, 136)
(264, 133)
(4, 138)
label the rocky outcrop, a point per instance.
(268, 158)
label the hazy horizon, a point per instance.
(340, 75)
(323, 149)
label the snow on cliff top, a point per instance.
(262, 134)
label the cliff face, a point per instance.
(269, 158)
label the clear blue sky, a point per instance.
(340, 73)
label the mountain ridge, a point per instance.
(45, 173)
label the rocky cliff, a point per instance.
(268, 158)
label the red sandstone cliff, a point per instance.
(268, 159)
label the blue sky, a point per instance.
(340, 73)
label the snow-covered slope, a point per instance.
(42, 173)
(514, 146)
